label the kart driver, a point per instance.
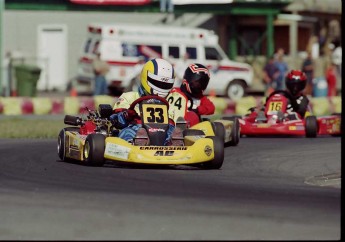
(157, 78)
(195, 80)
(295, 82)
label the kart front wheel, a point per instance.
(218, 146)
(311, 127)
(61, 145)
(219, 130)
(93, 152)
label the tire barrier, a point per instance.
(76, 105)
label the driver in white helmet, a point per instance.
(157, 78)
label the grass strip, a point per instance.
(30, 128)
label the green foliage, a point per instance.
(30, 128)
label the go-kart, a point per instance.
(273, 120)
(227, 128)
(95, 140)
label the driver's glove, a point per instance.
(122, 119)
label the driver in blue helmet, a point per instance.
(157, 78)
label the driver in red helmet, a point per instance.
(195, 80)
(295, 82)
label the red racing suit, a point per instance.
(199, 106)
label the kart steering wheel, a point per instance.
(140, 99)
(283, 92)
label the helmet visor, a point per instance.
(197, 88)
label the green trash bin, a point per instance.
(27, 77)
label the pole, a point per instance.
(270, 35)
(2, 7)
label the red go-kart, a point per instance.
(273, 120)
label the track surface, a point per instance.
(259, 194)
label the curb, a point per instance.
(75, 105)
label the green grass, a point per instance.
(35, 127)
(30, 128)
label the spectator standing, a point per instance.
(308, 69)
(283, 69)
(100, 68)
(331, 78)
(166, 3)
(270, 75)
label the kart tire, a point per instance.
(219, 130)
(192, 132)
(311, 127)
(61, 149)
(93, 152)
(235, 131)
(218, 146)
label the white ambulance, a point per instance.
(123, 45)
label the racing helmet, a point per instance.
(295, 81)
(157, 78)
(195, 80)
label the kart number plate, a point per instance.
(274, 107)
(153, 113)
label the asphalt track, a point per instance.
(267, 189)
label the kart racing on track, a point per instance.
(273, 120)
(227, 128)
(93, 140)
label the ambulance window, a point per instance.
(87, 46)
(150, 51)
(212, 54)
(129, 50)
(174, 52)
(192, 52)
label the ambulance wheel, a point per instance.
(61, 146)
(236, 90)
(219, 130)
(218, 146)
(311, 127)
(93, 152)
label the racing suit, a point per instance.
(298, 104)
(130, 125)
(199, 106)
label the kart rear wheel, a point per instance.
(218, 146)
(219, 130)
(61, 147)
(235, 131)
(311, 127)
(93, 152)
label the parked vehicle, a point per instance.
(122, 46)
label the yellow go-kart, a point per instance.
(95, 141)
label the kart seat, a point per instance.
(141, 138)
(181, 123)
(261, 117)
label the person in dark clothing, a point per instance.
(295, 82)
(308, 69)
(270, 75)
